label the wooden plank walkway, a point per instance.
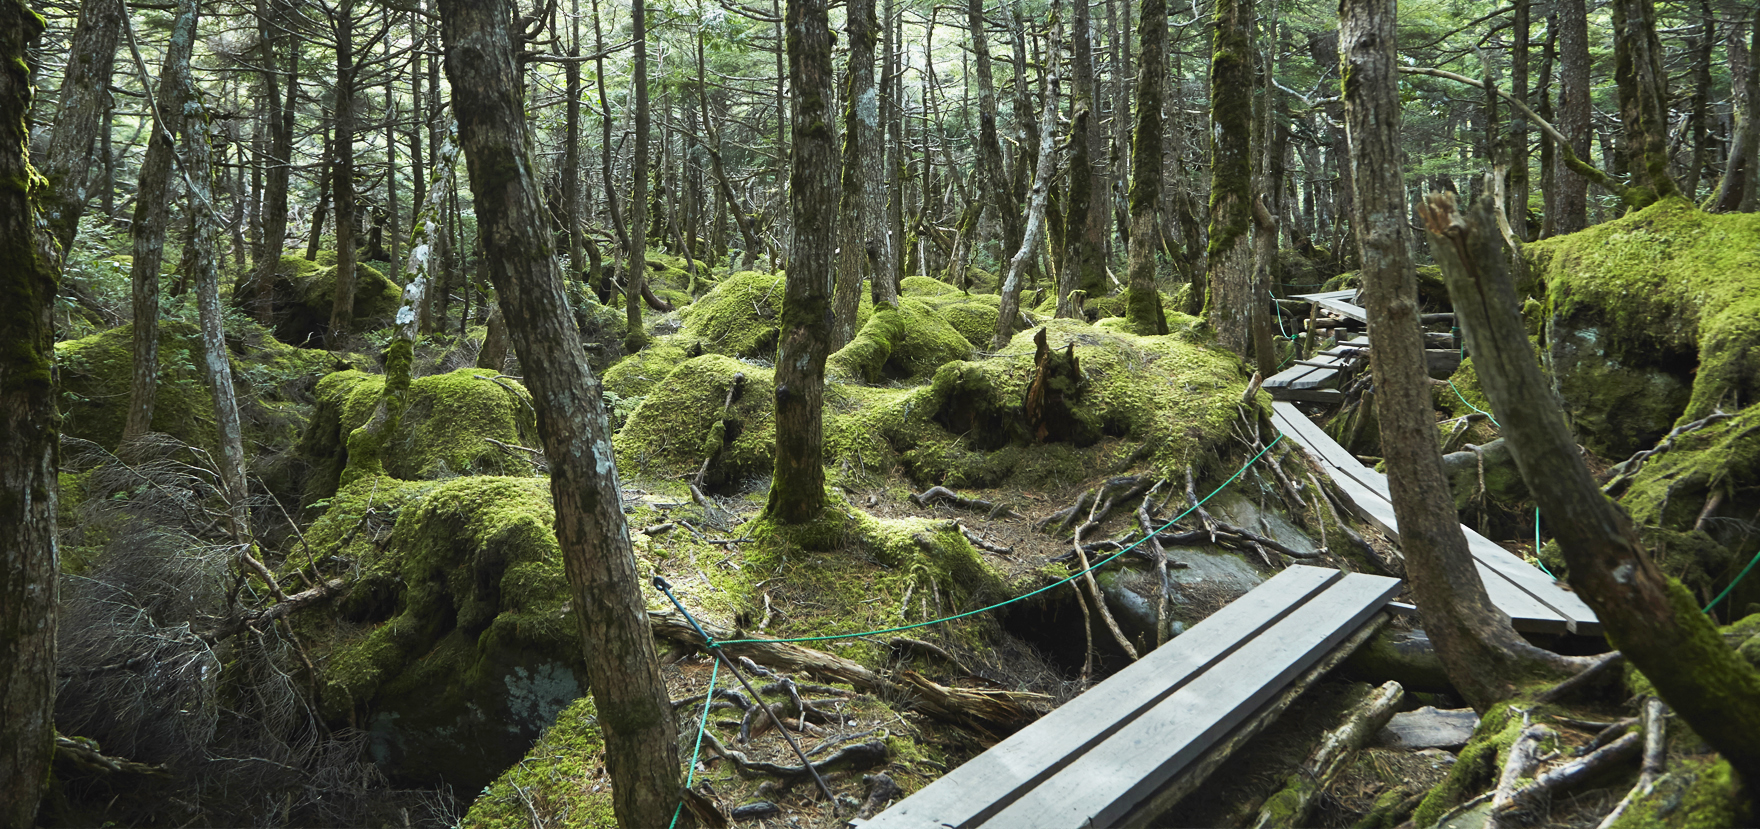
(1317, 380)
(1341, 303)
(1534, 601)
(1090, 761)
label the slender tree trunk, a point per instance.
(798, 492)
(885, 285)
(1549, 163)
(1698, 109)
(623, 670)
(1649, 616)
(342, 179)
(1571, 201)
(1267, 212)
(1144, 303)
(279, 158)
(741, 217)
(611, 195)
(1643, 98)
(1483, 655)
(1010, 306)
(1087, 207)
(1518, 157)
(151, 213)
(993, 186)
(1736, 190)
(1230, 277)
(320, 212)
(29, 564)
(636, 271)
(204, 271)
(571, 150)
(85, 97)
(861, 148)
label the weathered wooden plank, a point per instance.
(1285, 377)
(992, 780)
(1315, 379)
(1103, 784)
(1545, 589)
(1309, 395)
(1343, 309)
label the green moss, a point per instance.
(903, 343)
(304, 291)
(562, 779)
(1697, 793)
(95, 373)
(1658, 289)
(671, 429)
(444, 429)
(1477, 765)
(739, 317)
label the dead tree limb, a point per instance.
(1094, 589)
(1294, 804)
(1524, 757)
(1655, 758)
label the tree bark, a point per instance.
(1518, 134)
(1482, 653)
(861, 148)
(1010, 306)
(887, 274)
(636, 266)
(1648, 616)
(1143, 304)
(29, 565)
(1083, 261)
(151, 212)
(280, 159)
(798, 493)
(1572, 190)
(623, 671)
(1736, 190)
(993, 186)
(1643, 99)
(342, 178)
(1229, 287)
(1698, 108)
(85, 97)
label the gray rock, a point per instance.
(1428, 727)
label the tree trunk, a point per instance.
(571, 150)
(1230, 275)
(204, 270)
(861, 152)
(29, 565)
(151, 212)
(1736, 190)
(280, 158)
(1650, 617)
(885, 285)
(992, 179)
(623, 671)
(1518, 157)
(1143, 305)
(1698, 108)
(1085, 213)
(798, 493)
(1643, 99)
(1482, 653)
(1572, 190)
(636, 268)
(342, 179)
(1010, 305)
(319, 212)
(85, 97)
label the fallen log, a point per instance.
(1655, 757)
(1294, 804)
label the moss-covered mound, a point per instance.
(446, 430)
(304, 291)
(454, 647)
(681, 423)
(562, 779)
(973, 315)
(94, 375)
(1653, 319)
(908, 342)
(740, 317)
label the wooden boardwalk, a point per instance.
(1534, 601)
(1101, 759)
(1317, 379)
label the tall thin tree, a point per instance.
(1229, 287)
(1143, 306)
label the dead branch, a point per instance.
(1586, 677)
(1293, 805)
(1524, 757)
(1655, 757)
(1531, 798)
(1094, 587)
(84, 754)
(1625, 470)
(981, 543)
(941, 493)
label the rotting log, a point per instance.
(1294, 803)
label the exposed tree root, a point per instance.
(1655, 758)
(941, 493)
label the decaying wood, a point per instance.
(982, 543)
(1530, 799)
(902, 644)
(1587, 677)
(1524, 757)
(1163, 587)
(85, 755)
(1655, 758)
(733, 390)
(941, 493)
(1625, 470)
(1293, 805)
(881, 790)
(1198, 506)
(988, 711)
(849, 758)
(1094, 588)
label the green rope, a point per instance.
(1059, 583)
(703, 725)
(1537, 562)
(1457, 393)
(1732, 585)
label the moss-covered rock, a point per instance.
(680, 423)
(445, 431)
(562, 779)
(1653, 319)
(908, 342)
(303, 292)
(455, 647)
(94, 375)
(740, 317)
(1696, 793)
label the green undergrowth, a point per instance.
(1696, 793)
(444, 431)
(562, 779)
(304, 291)
(682, 421)
(904, 343)
(1668, 288)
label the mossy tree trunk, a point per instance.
(887, 272)
(1650, 617)
(84, 99)
(1736, 189)
(147, 231)
(1643, 99)
(280, 156)
(1229, 280)
(342, 177)
(622, 668)
(1482, 653)
(1083, 261)
(636, 267)
(861, 149)
(28, 459)
(1143, 305)
(797, 494)
(993, 189)
(1571, 189)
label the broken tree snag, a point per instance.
(1057, 378)
(718, 433)
(1650, 617)
(1295, 803)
